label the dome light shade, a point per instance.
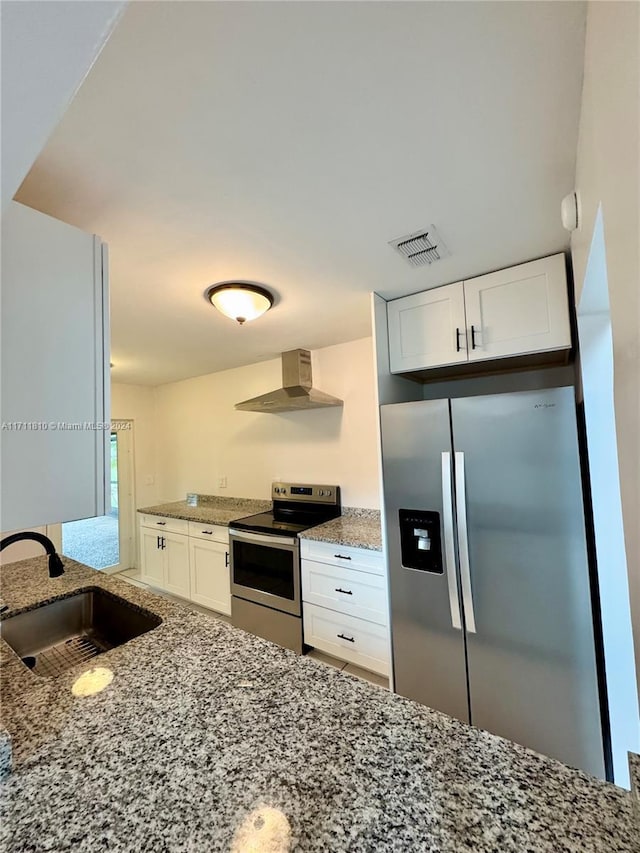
(240, 300)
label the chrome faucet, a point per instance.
(56, 566)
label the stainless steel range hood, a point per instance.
(297, 392)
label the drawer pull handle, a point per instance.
(344, 591)
(348, 639)
(208, 532)
(341, 557)
(161, 523)
(226, 559)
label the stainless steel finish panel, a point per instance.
(428, 651)
(449, 545)
(264, 538)
(463, 544)
(532, 666)
(280, 543)
(280, 628)
(297, 391)
(317, 494)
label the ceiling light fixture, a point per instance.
(240, 300)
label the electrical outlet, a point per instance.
(222, 482)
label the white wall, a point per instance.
(201, 437)
(608, 173)
(137, 403)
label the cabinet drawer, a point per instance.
(209, 532)
(358, 559)
(359, 594)
(170, 525)
(363, 643)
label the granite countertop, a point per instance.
(211, 739)
(358, 528)
(634, 773)
(210, 510)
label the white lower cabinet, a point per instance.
(152, 557)
(344, 604)
(209, 565)
(176, 549)
(187, 559)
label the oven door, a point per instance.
(266, 569)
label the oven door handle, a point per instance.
(263, 538)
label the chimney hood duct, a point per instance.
(296, 393)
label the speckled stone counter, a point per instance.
(358, 528)
(634, 773)
(209, 739)
(210, 510)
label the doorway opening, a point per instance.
(597, 373)
(106, 542)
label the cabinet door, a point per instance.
(519, 310)
(210, 575)
(176, 551)
(427, 329)
(152, 558)
(54, 371)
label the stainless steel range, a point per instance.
(265, 561)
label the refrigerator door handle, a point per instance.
(463, 543)
(450, 554)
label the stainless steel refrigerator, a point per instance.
(491, 604)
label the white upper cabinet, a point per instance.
(517, 311)
(427, 329)
(54, 371)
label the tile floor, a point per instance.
(133, 576)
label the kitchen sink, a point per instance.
(53, 637)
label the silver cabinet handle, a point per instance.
(449, 547)
(463, 544)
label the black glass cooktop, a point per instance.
(266, 522)
(285, 518)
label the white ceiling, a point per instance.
(286, 143)
(46, 51)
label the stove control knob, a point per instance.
(328, 493)
(321, 493)
(277, 490)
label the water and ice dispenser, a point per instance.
(420, 541)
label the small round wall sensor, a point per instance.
(570, 211)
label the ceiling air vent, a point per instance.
(422, 247)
